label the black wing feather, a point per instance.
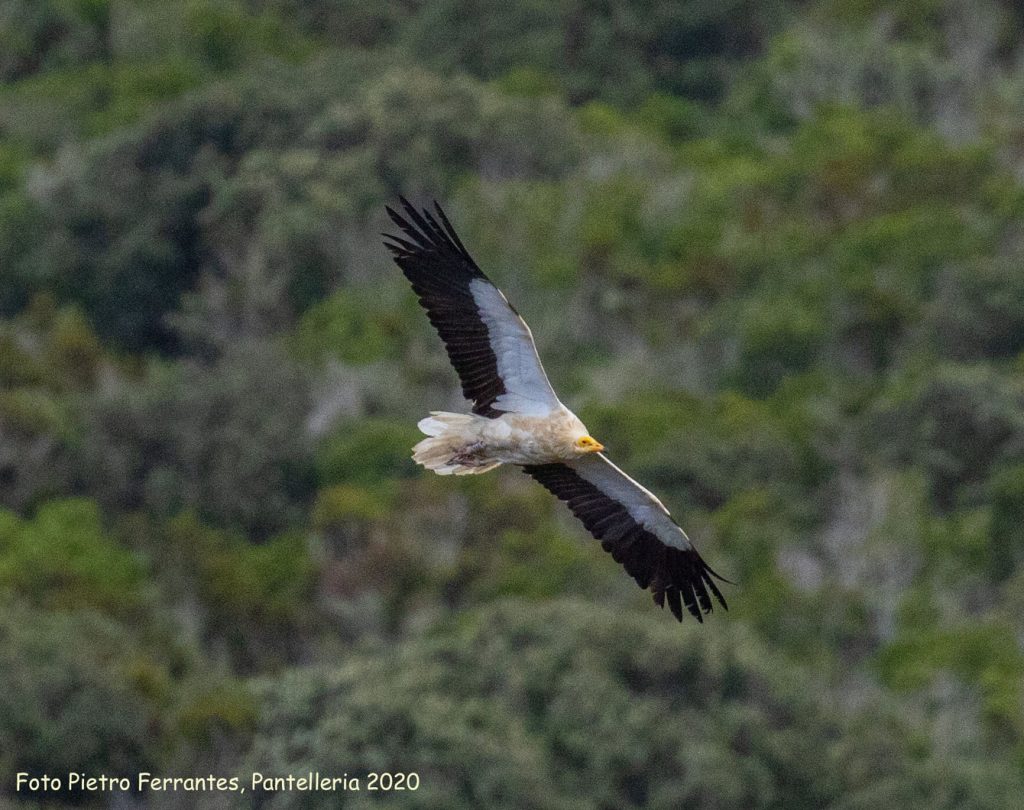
(678, 576)
(440, 269)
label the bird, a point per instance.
(517, 419)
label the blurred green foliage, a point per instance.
(519, 704)
(62, 559)
(771, 255)
(77, 694)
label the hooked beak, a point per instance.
(589, 444)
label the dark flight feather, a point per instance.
(678, 576)
(440, 269)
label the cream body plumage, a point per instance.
(464, 443)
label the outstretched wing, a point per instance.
(636, 528)
(489, 345)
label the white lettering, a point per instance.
(37, 783)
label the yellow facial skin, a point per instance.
(588, 444)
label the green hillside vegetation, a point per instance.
(771, 254)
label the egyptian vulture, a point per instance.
(517, 418)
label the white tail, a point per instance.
(454, 444)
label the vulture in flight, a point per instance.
(517, 418)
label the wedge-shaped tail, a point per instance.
(453, 445)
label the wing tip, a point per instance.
(431, 236)
(682, 577)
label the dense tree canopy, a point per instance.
(771, 255)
